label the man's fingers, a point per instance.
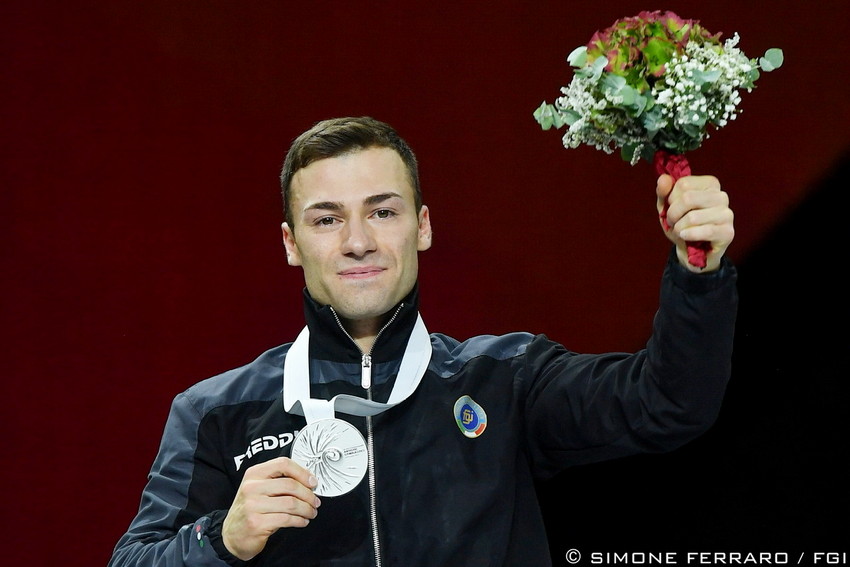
(697, 211)
(281, 495)
(275, 483)
(281, 466)
(696, 194)
(720, 234)
(289, 505)
(715, 215)
(283, 520)
(273, 495)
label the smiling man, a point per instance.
(359, 231)
(369, 440)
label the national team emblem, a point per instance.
(470, 417)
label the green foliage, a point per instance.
(654, 81)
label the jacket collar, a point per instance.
(329, 340)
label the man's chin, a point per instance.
(362, 313)
(366, 310)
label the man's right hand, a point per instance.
(273, 495)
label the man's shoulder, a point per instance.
(450, 353)
(257, 381)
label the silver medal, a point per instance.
(335, 452)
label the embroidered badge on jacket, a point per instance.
(470, 417)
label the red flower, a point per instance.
(638, 47)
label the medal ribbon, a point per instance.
(296, 379)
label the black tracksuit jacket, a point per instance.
(440, 498)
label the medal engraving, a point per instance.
(335, 452)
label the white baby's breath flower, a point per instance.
(608, 106)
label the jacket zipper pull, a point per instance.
(366, 372)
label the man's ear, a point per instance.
(425, 233)
(293, 258)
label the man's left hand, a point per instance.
(698, 210)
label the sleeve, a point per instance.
(583, 408)
(165, 532)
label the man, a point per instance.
(453, 432)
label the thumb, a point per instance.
(663, 188)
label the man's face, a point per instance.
(357, 232)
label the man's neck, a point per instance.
(363, 332)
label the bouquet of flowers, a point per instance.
(652, 85)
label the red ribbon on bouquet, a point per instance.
(676, 166)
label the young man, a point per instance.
(453, 433)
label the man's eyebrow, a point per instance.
(380, 198)
(368, 201)
(325, 206)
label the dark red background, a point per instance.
(140, 242)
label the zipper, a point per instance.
(373, 501)
(366, 383)
(366, 357)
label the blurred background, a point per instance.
(141, 249)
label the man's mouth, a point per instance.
(360, 272)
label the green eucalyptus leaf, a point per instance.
(629, 96)
(703, 77)
(640, 102)
(613, 84)
(693, 130)
(653, 121)
(773, 59)
(568, 117)
(545, 115)
(558, 119)
(578, 56)
(548, 115)
(627, 152)
(597, 68)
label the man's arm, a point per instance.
(176, 529)
(164, 533)
(590, 407)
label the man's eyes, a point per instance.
(331, 220)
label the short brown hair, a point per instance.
(338, 136)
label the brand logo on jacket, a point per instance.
(470, 417)
(265, 443)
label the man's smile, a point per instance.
(360, 272)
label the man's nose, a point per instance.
(359, 238)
